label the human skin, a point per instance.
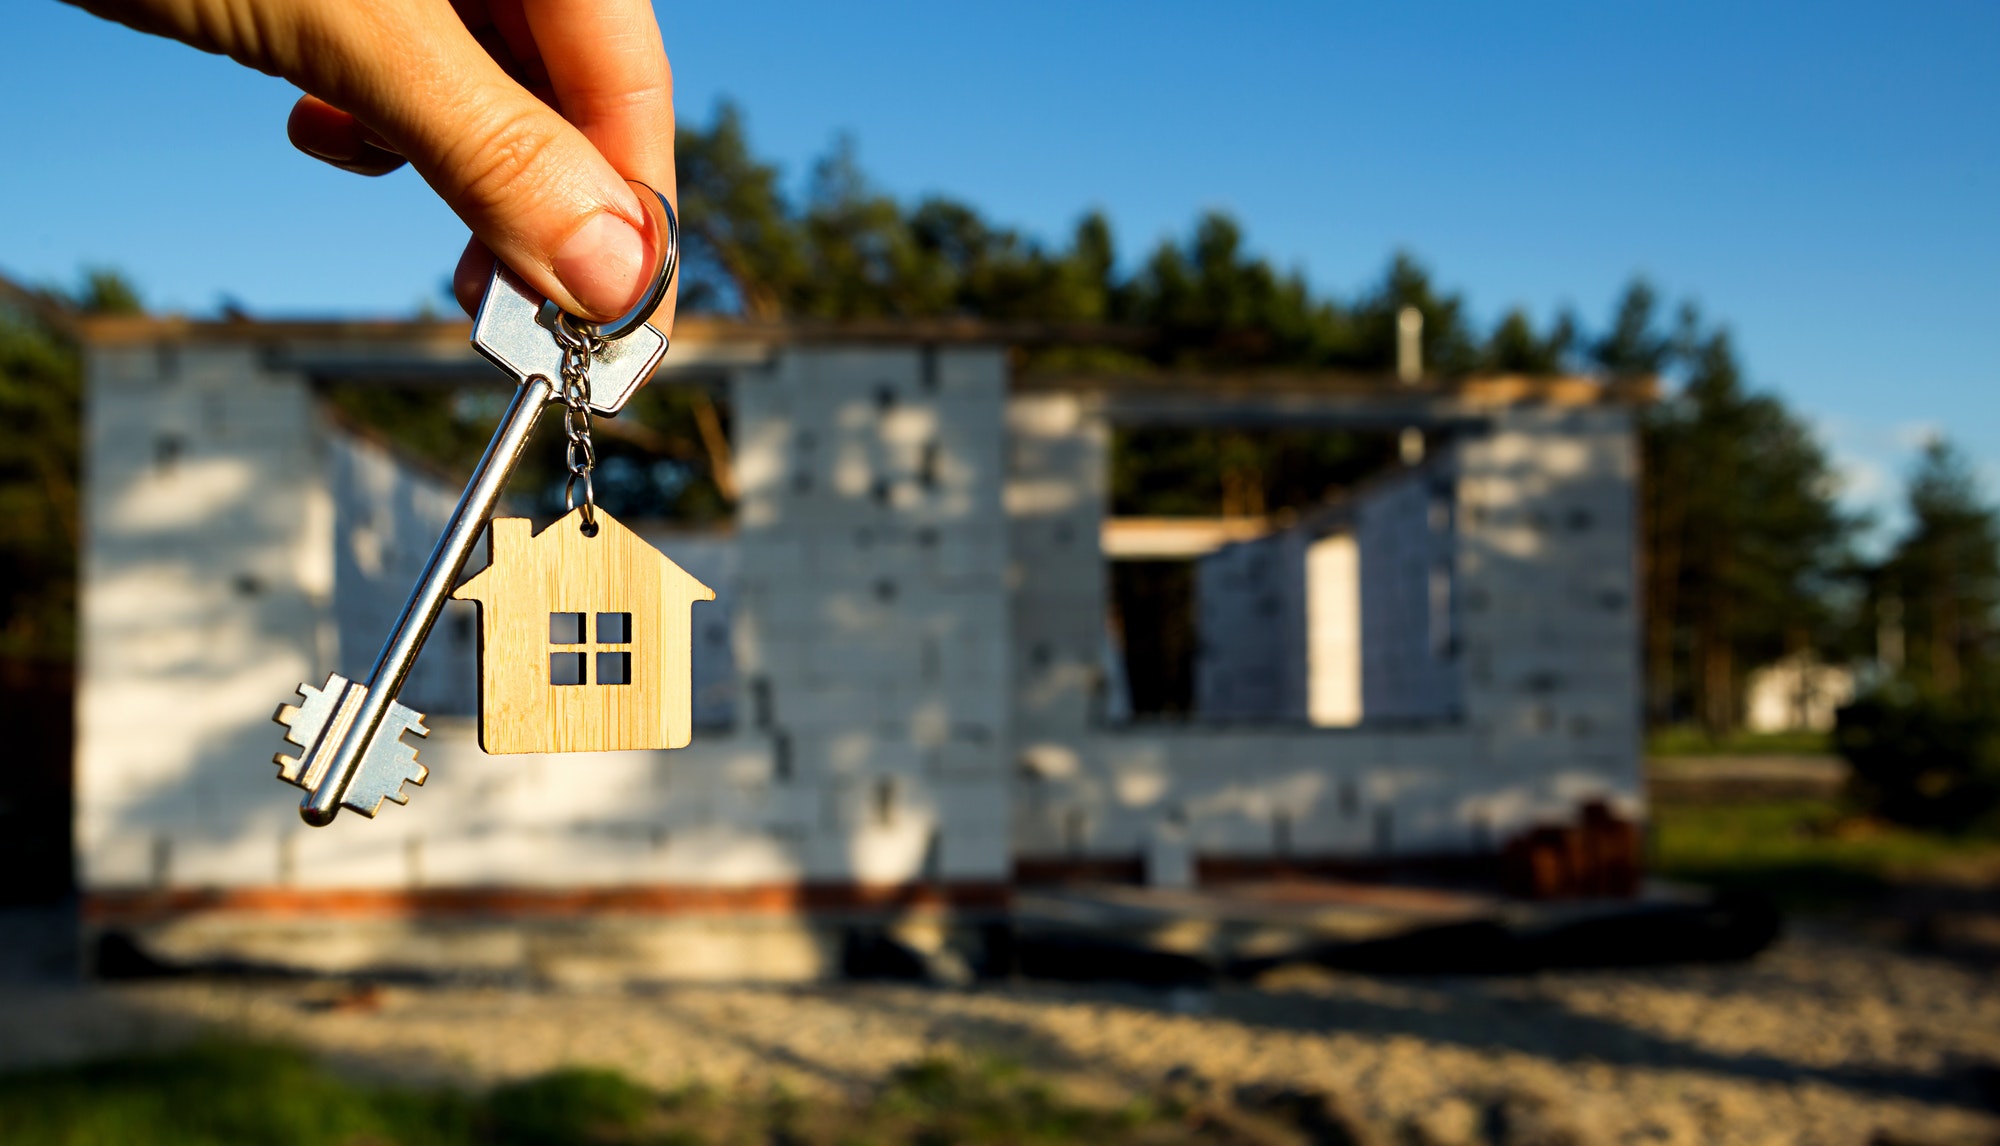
(526, 116)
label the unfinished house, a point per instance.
(910, 696)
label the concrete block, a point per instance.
(911, 428)
(763, 557)
(113, 854)
(1031, 416)
(1169, 857)
(979, 854)
(931, 716)
(353, 852)
(969, 553)
(1052, 706)
(962, 757)
(898, 854)
(727, 855)
(1070, 537)
(847, 753)
(771, 650)
(860, 369)
(873, 663)
(975, 663)
(812, 712)
(970, 372)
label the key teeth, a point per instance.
(290, 768)
(399, 796)
(303, 723)
(390, 763)
(382, 771)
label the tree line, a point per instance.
(846, 250)
(1747, 554)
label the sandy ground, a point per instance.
(1828, 1038)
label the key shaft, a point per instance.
(433, 589)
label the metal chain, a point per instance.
(579, 456)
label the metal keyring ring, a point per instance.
(663, 279)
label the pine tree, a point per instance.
(1945, 573)
(1743, 539)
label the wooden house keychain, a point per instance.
(585, 630)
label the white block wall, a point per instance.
(1260, 792)
(1253, 613)
(870, 636)
(1549, 597)
(237, 546)
(1057, 468)
(909, 643)
(1504, 703)
(1250, 611)
(205, 598)
(1404, 528)
(386, 520)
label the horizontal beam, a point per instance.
(1175, 538)
(1279, 399)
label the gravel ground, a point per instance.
(1828, 1038)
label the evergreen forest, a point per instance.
(1747, 556)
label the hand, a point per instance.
(526, 116)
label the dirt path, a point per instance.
(1826, 1039)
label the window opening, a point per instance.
(614, 628)
(574, 666)
(1152, 615)
(566, 668)
(614, 668)
(1207, 488)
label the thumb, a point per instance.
(531, 187)
(535, 191)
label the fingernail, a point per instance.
(603, 265)
(373, 160)
(365, 159)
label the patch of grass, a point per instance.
(1686, 740)
(554, 1109)
(1808, 853)
(223, 1094)
(938, 1100)
(216, 1094)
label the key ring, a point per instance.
(669, 228)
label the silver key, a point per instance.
(350, 734)
(375, 779)
(517, 336)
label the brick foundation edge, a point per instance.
(139, 906)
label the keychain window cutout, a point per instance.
(614, 629)
(567, 668)
(630, 590)
(573, 668)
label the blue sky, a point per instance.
(1824, 177)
